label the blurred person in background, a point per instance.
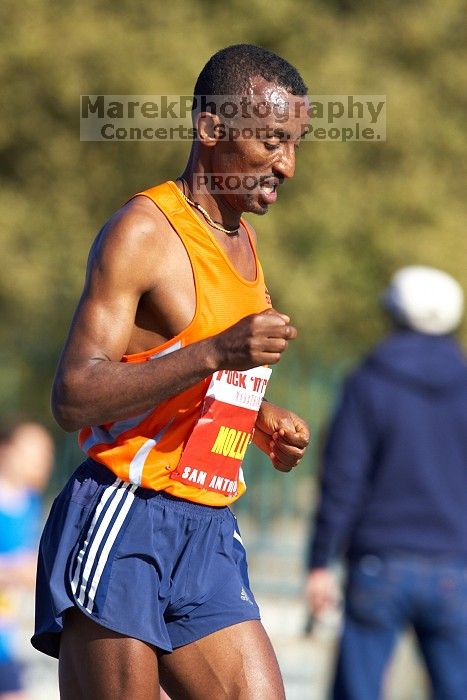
(26, 457)
(394, 496)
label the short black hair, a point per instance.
(228, 71)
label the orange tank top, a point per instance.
(147, 449)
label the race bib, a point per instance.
(213, 455)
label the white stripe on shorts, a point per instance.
(124, 493)
(237, 537)
(112, 536)
(107, 493)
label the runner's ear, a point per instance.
(207, 125)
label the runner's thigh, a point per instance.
(98, 663)
(236, 663)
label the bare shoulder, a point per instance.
(134, 242)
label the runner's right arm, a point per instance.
(92, 386)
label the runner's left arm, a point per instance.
(282, 435)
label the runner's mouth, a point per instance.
(268, 189)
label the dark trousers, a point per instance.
(384, 596)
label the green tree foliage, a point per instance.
(352, 215)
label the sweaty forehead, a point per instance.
(261, 90)
(273, 93)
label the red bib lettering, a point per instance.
(214, 452)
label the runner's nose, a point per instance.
(286, 165)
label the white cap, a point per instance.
(425, 299)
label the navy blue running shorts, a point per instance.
(139, 562)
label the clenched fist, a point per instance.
(258, 339)
(282, 435)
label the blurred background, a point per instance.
(352, 215)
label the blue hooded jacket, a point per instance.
(395, 464)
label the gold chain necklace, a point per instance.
(211, 222)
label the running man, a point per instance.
(142, 573)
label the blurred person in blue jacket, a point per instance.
(26, 455)
(394, 496)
